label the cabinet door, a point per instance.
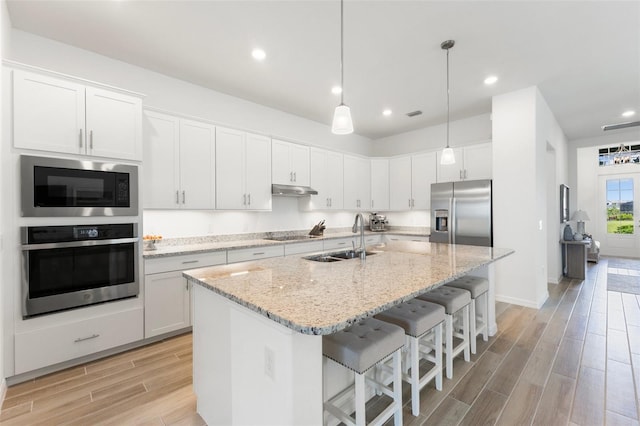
(364, 183)
(230, 174)
(318, 179)
(197, 165)
(351, 183)
(113, 124)
(451, 172)
(166, 303)
(282, 173)
(335, 180)
(300, 164)
(48, 114)
(478, 162)
(161, 161)
(258, 172)
(423, 174)
(380, 184)
(400, 183)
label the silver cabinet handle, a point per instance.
(465, 173)
(290, 176)
(460, 173)
(327, 202)
(260, 253)
(409, 202)
(295, 177)
(249, 199)
(183, 197)
(82, 339)
(81, 138)
(413, 202)
(330, 202)
(177, 197)
(91, 139)
(244, 199)
(186, 262)
(342, 244)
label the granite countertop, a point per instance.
(209, 244)
(322, 298)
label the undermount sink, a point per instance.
(337, 256)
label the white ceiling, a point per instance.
(583, 55)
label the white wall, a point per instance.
(462, 132)
(523, 127)
(5, 37)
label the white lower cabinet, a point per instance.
(300, 248)
(254, 253)
(338, 243)
(76, 339)
(167, 299)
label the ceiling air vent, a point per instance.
(414, 113)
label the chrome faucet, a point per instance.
(354, 229)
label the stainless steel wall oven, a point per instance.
(70, 266)
(54, 187)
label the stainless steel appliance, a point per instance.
(54, 187)
(377, 222)
(70, 266)
(461, 213)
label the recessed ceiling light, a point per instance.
(386, 112)
(629, 113)
(258, 54)
(490, 80)
(336, 90)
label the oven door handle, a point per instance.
(86, 243)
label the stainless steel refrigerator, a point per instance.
(461, 213)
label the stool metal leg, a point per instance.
(415, 376)
(472, 323)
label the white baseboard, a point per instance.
(521, 302)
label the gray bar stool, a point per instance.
(360, 347)
(456, 304)
(422, 324)
(479, 312)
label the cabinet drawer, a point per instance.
(298, 248)
(424, 239)
(182, 263)
(372, 239)
(338, 243)
(48, 346)
(243, 255)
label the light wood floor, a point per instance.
(575, 361)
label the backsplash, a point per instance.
(284, 217)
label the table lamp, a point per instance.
(580, 216)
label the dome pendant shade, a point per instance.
(447, 157)
(342, 124)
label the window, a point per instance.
(620, 206)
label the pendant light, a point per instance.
(342, 124)
(447, 156)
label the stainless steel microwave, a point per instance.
(53, 187)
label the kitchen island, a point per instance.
(258, 325)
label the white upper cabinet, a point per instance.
(357, 183)
(410, 179)
(472, 162)
(326, 178)
(379, 184)
(423, 174)
(290, 163)
(179, 163)
(400, 183)
(52, 114)
(243, 170)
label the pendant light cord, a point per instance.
(341, 52)
(447, 98)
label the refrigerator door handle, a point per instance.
(452, 220)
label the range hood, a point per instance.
(292, 190)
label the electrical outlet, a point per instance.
(269, 363)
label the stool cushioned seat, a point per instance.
(474, 285)
(451, 298)
(415, 316)
(362, 345)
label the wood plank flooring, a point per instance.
(576, 361)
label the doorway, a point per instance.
(618, 214)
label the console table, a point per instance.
(575, 258)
